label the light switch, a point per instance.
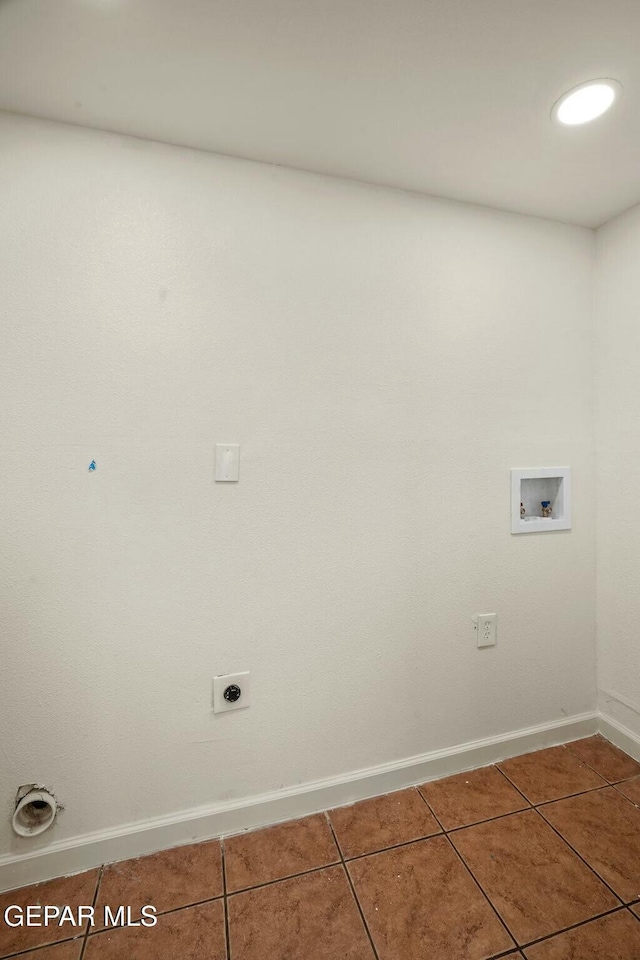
(227, 462)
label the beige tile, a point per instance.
(607, 760)
(312, 917)
(536, 883)
(550, 774)
(630, 789)
(166, 880)
(419, 901)
(636, 909)
(278, 852)
(383, 822)
(604, 828)
(195, 933)
(471, 797)
(66, 891)
(616, 937)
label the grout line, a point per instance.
(353, 889)
(510, 781)
(569, 748)
(543, 803)
(291, 876)
(225, 905)
(465, 867)
(42, 946)
(571, 847)
(95, 900)
(572, 796)
(564, 840)
(620, 783)
(430, 808)
(160, 913)
(505, 777)
(341, 853)
(482, 891)
(476, 823)
(611, 783)
(394, 846)
(574, 926)
(532, 807)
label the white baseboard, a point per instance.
(620, 735)
(76, 854)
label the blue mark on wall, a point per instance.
(92, 466)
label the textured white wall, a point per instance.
(383, 359)
(618, 434)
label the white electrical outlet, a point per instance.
(231, 692)
(485, 628)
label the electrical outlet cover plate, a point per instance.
(220, 684)
(486, 628)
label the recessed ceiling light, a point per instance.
(586, 102)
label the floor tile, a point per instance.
(313, 917)
(70, 950)
(66, 891)
(606, 759)
(604, 828)
(166, 880)
(630, 789)
(471, 797)
(636, 909)
(536, 883)
(419, 902)
(278, 852)
(383, 822)
(616, 937)
(550, 774)
(196, 933)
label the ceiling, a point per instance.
(446, 97)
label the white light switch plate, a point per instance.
(227, 462)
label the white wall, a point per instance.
(618, 432)
(383, 359)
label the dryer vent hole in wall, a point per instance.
(35, 811)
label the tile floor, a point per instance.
(537, 858)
